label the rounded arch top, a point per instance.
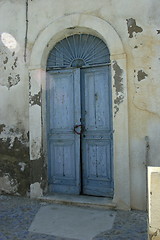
(78, 50)
(69, 25)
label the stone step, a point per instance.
(80, 200)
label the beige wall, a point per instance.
(136, 25)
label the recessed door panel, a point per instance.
(62, 99)
(64, 166)
(97, 157)
(96, 98)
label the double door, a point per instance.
(79, 127)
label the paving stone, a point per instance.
(17, 214)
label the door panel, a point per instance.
(63, 152)
(63, 109)
(97, 135)
(96, 155)
(61, 100)
(96, 99)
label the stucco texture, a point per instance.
(21, 25)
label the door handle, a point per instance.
(77, 126)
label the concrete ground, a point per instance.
(23, 218)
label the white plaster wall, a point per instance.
(142, 51)
(13, 71)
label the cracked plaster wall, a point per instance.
(14, 146)
(141, 40)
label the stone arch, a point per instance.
(56, 30)
(51, 34)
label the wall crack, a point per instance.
(26, 33)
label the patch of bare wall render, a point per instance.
(14, 161)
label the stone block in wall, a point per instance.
(154, 202)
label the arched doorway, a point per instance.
(79, 117)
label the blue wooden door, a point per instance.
(97, 131)
(80, 163)
(63, 111)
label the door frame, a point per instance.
(47, 38)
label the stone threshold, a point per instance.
(80, 200)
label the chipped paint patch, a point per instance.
(29, 82)
(10, 72)
(118, 84)
(39, 172)
(158, 31)
(8, 184)
(36, 190)
(2, 126)
(22, 165)
(15, 63)
(6, 60)
(14, 159)
(132, 27)
(36, 99)
(141, 75)
(12, 81)
(10, 135)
